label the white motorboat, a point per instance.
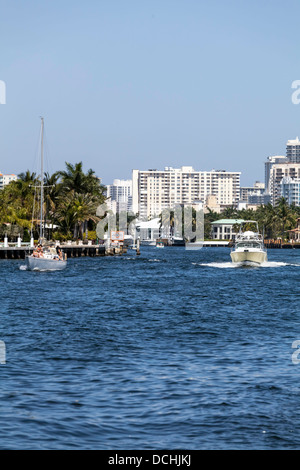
(160, 244)
(249, 247)
(44, 258)
(148, 242)
(177, 241)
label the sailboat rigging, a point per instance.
(44, 257)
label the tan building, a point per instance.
(155, 190)
(212, 204)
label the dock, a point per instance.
(72, 251)
(220, 243)
(280, 244)
(269, 244)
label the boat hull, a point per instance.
(44, 264)
(148, 242)
(178, 241)
(248, 257)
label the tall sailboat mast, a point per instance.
(46, 258)
(42, 180)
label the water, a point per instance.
(172, 349)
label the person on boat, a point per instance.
(59, 252)
(36, 253)
(40, 252)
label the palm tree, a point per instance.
(76, 210)
(51, 197)
(15, 207)
(27, 177)
(79, 195)
(266, 218)
(74, 179)
(209, 217)
(230, 213)
(71, 199)
(285, 215)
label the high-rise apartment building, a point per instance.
(293, 150)
(156, 190)
(290, 190)
(281, 171)
(257, 189)
(272, 160)
(255, 195)
(278, 172)
(120, 195)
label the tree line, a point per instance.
(71, 198)
(273, 221)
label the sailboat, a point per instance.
(45, 258)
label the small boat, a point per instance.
(45, 258)
(248, 248)
(148, 243)
(160, 244)
(177, 241)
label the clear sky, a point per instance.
(126, 84)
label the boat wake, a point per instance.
(44, 270)
(229, 265)
(277, 264)
(217, 265)
(25, 268)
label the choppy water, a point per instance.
(172, 349)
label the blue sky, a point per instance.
(126, 84)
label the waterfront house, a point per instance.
(225, 229)
(148, 231)
(294, 235)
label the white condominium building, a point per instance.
(293, 150)
(257, 189)
(6, 179)
(290, 190)
(272, 160)
(277, 173)
(120, 195)
(155, 190)
(255, 195)
(281, 167)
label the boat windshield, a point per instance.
(250, 244)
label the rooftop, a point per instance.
(228, 221)
(293, 142)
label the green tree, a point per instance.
(74, 179)
(286, 216)
(75, 211)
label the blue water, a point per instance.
(172, 349)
